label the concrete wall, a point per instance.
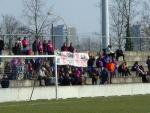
(30, 83)
(23, 94)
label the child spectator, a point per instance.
(109, 51)
(18, 47)
(99, 63)
(90, 64)
(94, 75)
(111, 68)
(104, 76)
(35, 46)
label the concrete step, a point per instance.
(123, 80)
(130, 63)
(22, 83)
(137, 53)
(135, 58)
(120, 80)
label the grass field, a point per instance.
(125, 104)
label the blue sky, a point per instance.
(82, 14)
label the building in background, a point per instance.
(136, 37)
(139, 41)
(72, 35)
(61, 34)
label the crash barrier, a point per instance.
(64, 92)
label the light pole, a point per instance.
(105, 24)
(65, 24)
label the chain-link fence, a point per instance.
(136, 43)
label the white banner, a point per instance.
(74, 59)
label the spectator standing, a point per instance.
(50, 48)
(44, 47)
(7, 70)
(40, 48)
(64, 47)
(41, 75)
(148, 63)
(94, 75)
(35, 46)
(135, 68)
(18, 47)
(111, 68)
(14, 49)
(25, 44)
(1, 48)
(71, 48)
(116, 66)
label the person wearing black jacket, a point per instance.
(148, 63)
(1, 48)
(71, 48)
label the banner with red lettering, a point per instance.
(74, 59)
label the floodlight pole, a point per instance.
(105, 24)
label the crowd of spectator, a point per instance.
(39, 47)
(104, 68)
(41, 68)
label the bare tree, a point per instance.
(38, 21)
(118, 22)
(122, 13)
(9, 25)
(145, 21)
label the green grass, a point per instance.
(124, 104)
